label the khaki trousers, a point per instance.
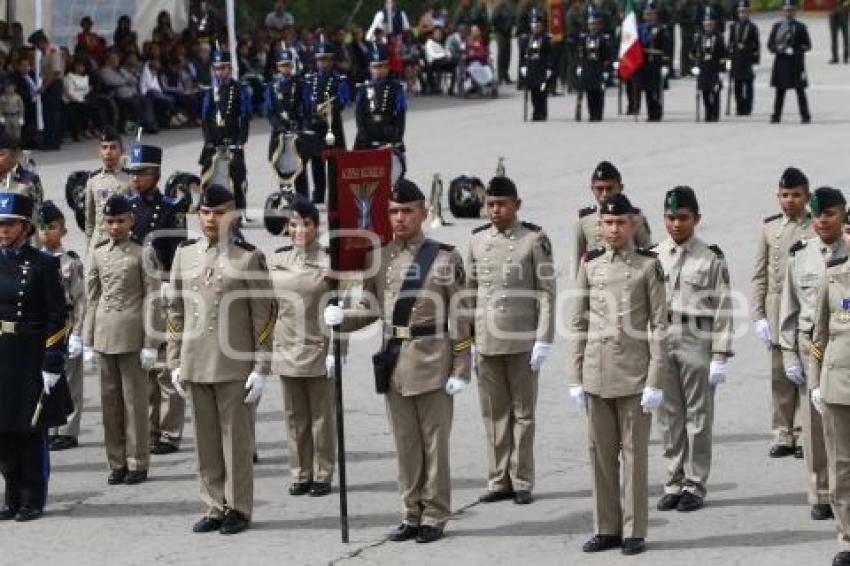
(814, 447)
(124, 398)
(167, 408)
(74, 375)
(617, 426)
(786, 401)
(224, 439)
(836, 427)
(687, 412)
(507, 389)
(310, 422)
(422, 427)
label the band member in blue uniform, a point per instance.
(381, 106)
(710, 57)
(594, 58)
(535, 68)
(744, 52)
(789, 40)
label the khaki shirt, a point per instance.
(618, 323)
(101, 185)
(830, 364)
(589, 233)
(52, 64)
(697, 284)
(512, 277)
(221, 311)
(805, 270)
(425, 363)
(122, 284)
(775, 239)
(73, 281)
(301, 289)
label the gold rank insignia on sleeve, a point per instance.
(462, 345)
(269, 326)
(56, 337)
(816, 352)
(171, 329)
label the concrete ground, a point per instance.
(756, 511)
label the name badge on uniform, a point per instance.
(845, 304)
(844, 317)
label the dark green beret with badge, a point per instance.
(825, 197)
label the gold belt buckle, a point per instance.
(402, 332)
(7, 327)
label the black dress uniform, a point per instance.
(594, 54)
(654, 38)
(32, 354)
(225, 118)
(380, 109)
(536, 66)
(320, 87)
(284, 108)
(710, 56)
(789, 40)
(744, 52)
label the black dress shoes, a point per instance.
(523, 497)
(26, 514)
(428, 534)
(161, 448)
(632, 546)
(320, 489)
(404, 532)
(689, 502)
(136, 477)
(669, 502)
(117, 476)
(207, 525)
(494, 496)
(781, 451)
(602, 542)
(62, 442)
(8, 513)
(234, 523)
(822, 512)
(300, 488)
(841, 559)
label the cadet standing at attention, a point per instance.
(104, 182)
(744, 52)
(804, 275)
(776, 237)
(699, 344)
(512, 274)
(616, 374)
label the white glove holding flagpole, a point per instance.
(177, 382)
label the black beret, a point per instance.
(681, 197)
(215, 195)
(793, 177)
(501, 187)
(37, 37)
(617, 205)
(115, 205)
(306, 209)
(606, 171)
(48, 213)
(824, 197)
(406, 191)
(7, 141)
(109, 134)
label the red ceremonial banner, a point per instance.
(358, 204)
(556, 20)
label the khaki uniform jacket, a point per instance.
(589, 233)
(512, 278)
(777, 236)
(301, 289)
(221, 311)
(121, 288)
(830, 367)
(805, 270)
(101, 185)
(618, 323)
(425, 363)
(697, 286)
(74, 283)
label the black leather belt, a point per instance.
(687, 319)
(418, 331)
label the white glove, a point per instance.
(523, 71)
(616, 65)
(75, 346)
(49, 381)
(817, 400)
(717, 372)
(2, 119)
(578, 71)
(330, 365)
(695, 71)
(665, 70)
(539, 354)
(254, 386)
(88, 355)
(651, 399)
(605, 77)
(474, 353)
(148, 357)
(334, 315)
(795, 374)
(455, 385)
(789, 51)
(762, 330)
(177, 382)
(20, 121)
(548, 74)
(577, 395)
(729, 65)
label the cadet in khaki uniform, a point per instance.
(830, 358)
(121, 280)
(805, 274)
(298, 274)
(433, 364)
(512, 275)
(778, 234)
(605, 183)
(51, 230)
(103, 183)
(699, 343)
(220, 326)
(616, 373)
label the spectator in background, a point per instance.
(358, 56)
(164, 106)
(202, 64)
(412, 59)
(181, 88)
(307, 51)
(5, 46)
(125, 39)
(11, 110)
(396, 20)
(52, 72)
(438, 60)
(93, 44)
(435, 17)
(25, 87)
(163, 33)
(204, 22)
(279, 18)
(16, 38)
(76, 90)
(122, 85)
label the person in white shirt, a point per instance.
(392, 24)
(165, 107)
(438, 60)
(75, 92)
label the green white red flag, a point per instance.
(631, 51)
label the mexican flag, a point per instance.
(631, 52)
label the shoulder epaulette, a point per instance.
(772, 217)
(531, 226)
(717, 251)
(96, 171)
(283, 249)
(593, 254)
(482, 228)
(447, 247)
(645, 253)
(245, 245)
(72, 254)
(798, 245)
(837, 261)
(185, 243)
(586, 210)
(638, 212)
(102, 243)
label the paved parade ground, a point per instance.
(756, 510)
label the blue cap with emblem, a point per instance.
(592, 13)
(324, 50)
(743, 4)
(144, 157)
(14, 206)
(709, 15)
(650, 6)
(536, 16)
(377, 54)
(221, 57)
(285, 56)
